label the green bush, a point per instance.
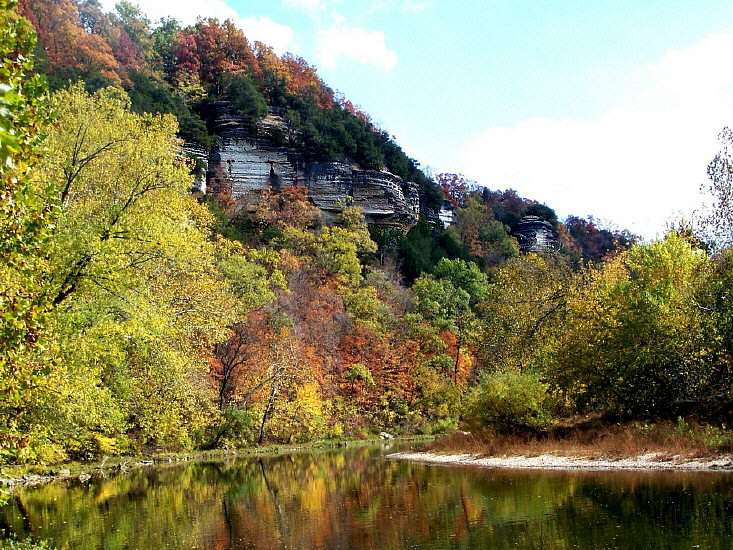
(240, 427)
(509, 402)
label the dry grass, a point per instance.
(593, 440)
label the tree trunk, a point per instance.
(458, 356)
(268, 409)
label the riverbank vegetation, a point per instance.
(25, 544)
(136, 317)
(11, 544)
(596, 439)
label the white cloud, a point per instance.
(306, 5)
(639, 164)
(280, 37)
(264, 29)
(417, 7)
(366, 47)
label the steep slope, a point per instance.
(248, 162)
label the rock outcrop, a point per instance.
(199, 155)
(252, 160)
(535, 235)
(447, 214)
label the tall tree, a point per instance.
(24, 224)
(140, 300)
(67, 44)
(719, 222)
(524, 312)
(637, 341)
(455, 187)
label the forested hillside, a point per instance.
(138, 317)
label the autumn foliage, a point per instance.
(139, 317)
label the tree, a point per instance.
(595, 242)
(273, 75)
(24, 226)
(466, 276)
(447, 299)
(67, 44)
(387, 241)
(636, 342)
(719, 222)
(423, 247)
(335, 250)
(541, 211)
(287, 208)
(455, 187)
(220, 48)
(136, 28)
(523, 313)
(253, 277)
(716, 297)
(278, 368)
(507, 205)
(93, 19)
(244, 95)
(359, 372)
(304, 82)
(185, 54)
(140, 298)
(485, 238)
(163, 44)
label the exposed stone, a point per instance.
(535, 235)
(25, 480)
(249, 161)
(200, 156)
(447, 214)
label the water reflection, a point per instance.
(356, 500)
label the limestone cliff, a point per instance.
(535, 235)
(256, 159)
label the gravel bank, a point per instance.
(652, 461)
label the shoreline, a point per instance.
(16, 476)
(645, 462)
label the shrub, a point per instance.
(509, 402)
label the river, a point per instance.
(355, 499)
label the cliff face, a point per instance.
(535, 235)
(254, 160)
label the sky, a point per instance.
(609, 108)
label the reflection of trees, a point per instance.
(644, 510)
(282, 524)
(332, 500)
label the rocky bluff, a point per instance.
(250, 160)
(535, 235)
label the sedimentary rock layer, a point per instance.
(535, 235)
(250, 161)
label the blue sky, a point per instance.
(608, 108)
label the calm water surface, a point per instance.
(356, 500)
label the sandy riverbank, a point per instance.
(652, 461)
